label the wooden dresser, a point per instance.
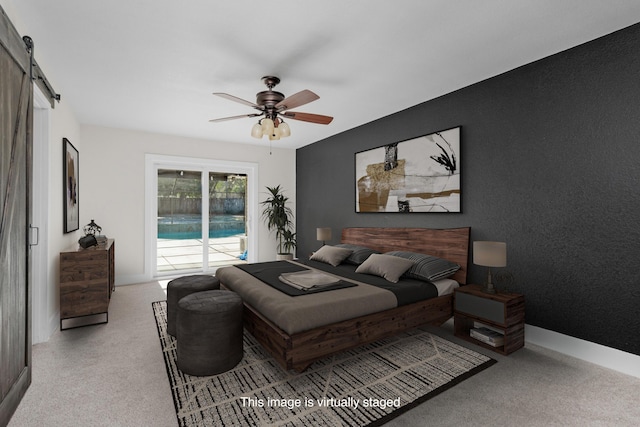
(86, 283)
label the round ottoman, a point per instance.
(209, 327)
(180, 288)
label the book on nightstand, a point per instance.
(477, 324)
(487, 336)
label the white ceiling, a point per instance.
(152, 65)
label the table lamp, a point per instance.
(323, 234)
(490, 254)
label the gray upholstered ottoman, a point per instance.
(180, 288)
(209, 327)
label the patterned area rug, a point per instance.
(367, 386)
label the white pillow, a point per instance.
(388, 266)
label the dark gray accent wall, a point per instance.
(550, 165)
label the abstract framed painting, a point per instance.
(71, 170)
(416, 175)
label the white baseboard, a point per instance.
(608, 357)
(144, 278)
(54, 324)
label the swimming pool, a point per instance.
(190, 226)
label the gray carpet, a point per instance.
(114, 375)
(364, 387)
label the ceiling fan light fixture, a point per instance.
(274, 135)
(285, 130)
(267, 126)
(256, 130)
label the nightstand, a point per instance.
(502, 312)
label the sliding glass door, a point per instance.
(201, 215)
(227, 219)
(180, 244)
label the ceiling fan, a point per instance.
(274, 107)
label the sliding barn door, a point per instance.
(15, 143)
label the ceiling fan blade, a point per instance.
(224, 119)
(308, 117)
(296, 100)
(236, 99)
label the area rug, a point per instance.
(366, 386)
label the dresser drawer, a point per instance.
(480, 307)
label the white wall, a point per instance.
(111, 188)
(62, 123)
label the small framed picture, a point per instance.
(70, 175)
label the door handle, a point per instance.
(34, 231)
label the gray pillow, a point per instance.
(359, 254)
(387, 266)
(427, 267)
(331, 255)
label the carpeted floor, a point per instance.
(114, 375)
(364, 387)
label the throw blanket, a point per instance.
(406, 291)
(270, 272)
(309, 279)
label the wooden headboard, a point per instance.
(449, 243)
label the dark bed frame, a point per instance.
(300, 350)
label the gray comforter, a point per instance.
(304, 312)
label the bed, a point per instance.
(295, 346)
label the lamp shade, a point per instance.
(323, 234)
(490, 254)
(267, 126)
(275, 134)
(256, 131)
(285, 130)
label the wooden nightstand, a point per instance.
(502, 312)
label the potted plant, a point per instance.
(279, 217)
(288, 242)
